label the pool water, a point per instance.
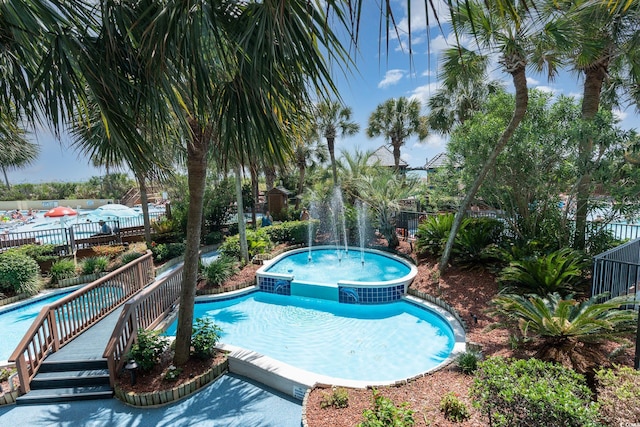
(384, 342)
(15, 322)
(330, 266)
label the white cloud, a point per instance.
(532, 82)
(391, 77)
(424, 92)
(619, 114)
(547, 89)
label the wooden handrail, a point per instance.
(144, 311)
(61, 321)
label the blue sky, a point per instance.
(380, 75)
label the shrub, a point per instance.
(295, 232)
(257, 240)
(433, 234)
(19, 273)
(62, 269)
(338, 398)
(475, 236)
(109, 251)
(40, 253)
(163, 225)
(565, 330)
(531, 392)
(468, 361)
(560, 271)
(204, 338)
(220, 270)
(172, 373)
(5, 373)
(167, 251)
(213, 238)
(129, 256)
(386, 414)
(453, 408)
(147, 349)
(94, 265)
(618, 395)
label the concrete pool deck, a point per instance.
(230, 401)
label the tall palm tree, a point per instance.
(465, 87)
(603, 46)
(306, 152)
(515, 42)
(332, 119)
(397, 120)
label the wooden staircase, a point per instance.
(69, 381)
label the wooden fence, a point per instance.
(61, 321)
(145, 311)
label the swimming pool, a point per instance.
(373, 343)
(16, 319)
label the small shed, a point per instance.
(277, 199)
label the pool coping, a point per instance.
(296, 382)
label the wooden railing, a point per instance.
(145, 311)
(66, 318)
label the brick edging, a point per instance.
(162, 397)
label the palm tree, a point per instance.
(353, 167)
(397, 120)
(513, 39)
(603, 46)
(333, 118)
(382, 190)
(465, 87)
(565, 330)
(16, 151)
(306, 152)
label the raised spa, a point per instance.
(357, 276)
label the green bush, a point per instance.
(93, 265)
(386, 414)
(453, 408)
(127, 257)
(433, 233)
(220, 270)
(257, 240)
(62, 269)
(213, 238)
(295, 232)
(618, 395)
(519, 393)
(167, 251)
(338, 398)
(5, 373)
(40, 253)
(204, 338)
(475, 236)
(468, 361)
(19, 274)
(147, 349)
(560, 271)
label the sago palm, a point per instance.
(560, 271)
(565, 330)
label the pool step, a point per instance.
(277, 375)
(69, 381)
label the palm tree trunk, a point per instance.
(144, 201)
(6, 178)
(302, 169)
(594, 77)
(332, 156)
(242, 226)
(396, 154)
(522, 101)
(197, 174)
(254, 193)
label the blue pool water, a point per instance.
(382, 342)
(16, 321)
(330, 266)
